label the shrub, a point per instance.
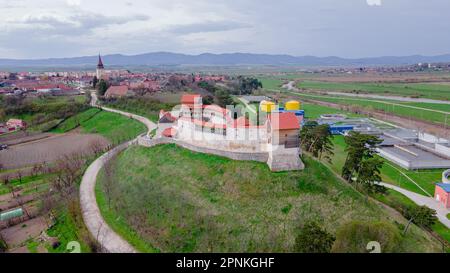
(353, 237)
(313, 239)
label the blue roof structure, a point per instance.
(444, 186)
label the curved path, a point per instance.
(422, 200)
(99, 229)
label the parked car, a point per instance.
(3, 147)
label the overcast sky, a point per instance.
(346, 28)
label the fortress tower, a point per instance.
(100, 68)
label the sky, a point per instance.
(344, 28)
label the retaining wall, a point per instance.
(260, 157)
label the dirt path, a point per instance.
(107, 237)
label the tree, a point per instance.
(360, 165)
(94, 82)
(102, 87)
(248, 85)
(422, 216)
(223, 98)
(313, 239)
(316, 139)
(369, 175)
(208, 100)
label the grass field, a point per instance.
(389, 106)
(425, 90)
(114, 127)
(148, 107)
(179, 201)
(397, 109)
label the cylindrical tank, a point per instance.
(292, 105)
(267, 106)
(446, 177)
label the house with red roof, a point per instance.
(117, 91)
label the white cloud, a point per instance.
(374, 2)
(74, 3)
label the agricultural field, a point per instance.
(426, 113)
(188, 200)
(49, 149)
(418, 90)
(41, 113)
(23, 235)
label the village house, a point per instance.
(117, 91)
(16, 124)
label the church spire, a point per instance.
(100, 63)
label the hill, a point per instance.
(170, 199)
(227, 59)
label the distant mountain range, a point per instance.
(230, 59)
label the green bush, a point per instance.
(353, 237)
(313, 239)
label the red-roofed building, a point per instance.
(191, 100)
(116, 91)
(284, 128)
(166, 117)
(169, 132)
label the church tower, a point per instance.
(100, 68)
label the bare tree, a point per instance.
(96, 147)
(68, 170)
(7, 183)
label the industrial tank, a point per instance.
(292, 105)
(267, 106)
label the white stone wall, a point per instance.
(442, 149)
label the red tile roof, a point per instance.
(284, 121)
(190, 99)
(118, 91)
(169, 132)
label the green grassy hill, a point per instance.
(115, 127)
(173, 200)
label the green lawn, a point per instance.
(271, 83)
(426, 90)
(148, 107)
(115, 127)
(180, 201)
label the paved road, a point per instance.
(99, 229)
(424, 201)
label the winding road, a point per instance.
(109, 240)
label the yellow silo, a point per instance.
(292, 105)
(267, 106)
